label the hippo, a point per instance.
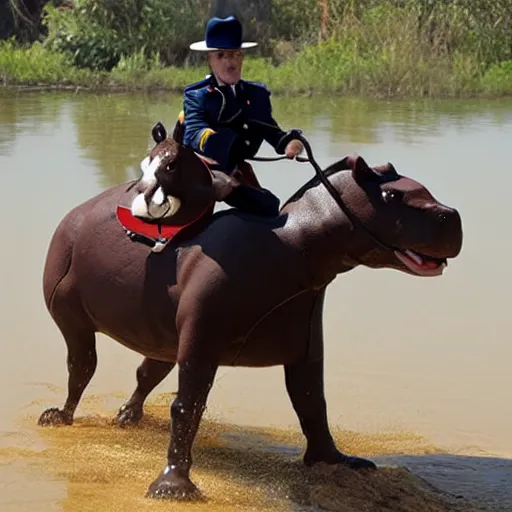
(230, 288)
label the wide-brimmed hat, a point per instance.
(222, 34)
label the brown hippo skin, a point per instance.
(242, 291)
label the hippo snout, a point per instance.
(451, 232)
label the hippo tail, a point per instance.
(58, 257)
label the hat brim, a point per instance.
(201, 46)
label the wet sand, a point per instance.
(94, 465)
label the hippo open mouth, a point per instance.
(421, 265)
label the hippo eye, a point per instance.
(391, 196)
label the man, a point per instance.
(226, 118)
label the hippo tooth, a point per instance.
(415, 257)
(139, 206)
(158, 197)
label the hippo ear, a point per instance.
(159, 132)
(386, 168)
(361, 171)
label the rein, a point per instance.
(297, 134)
(276, 158)
(335, 194)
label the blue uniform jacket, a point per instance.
(226, 128)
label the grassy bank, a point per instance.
(327, 68)
(388, 48)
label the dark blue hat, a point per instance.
(222, 34)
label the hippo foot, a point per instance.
(54, 417)
(341, 459)
(128, 414)
(169, 485)
(357, 462)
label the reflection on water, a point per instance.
(16, 120)
(113, 131)
(421, 355)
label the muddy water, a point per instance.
(406, 356)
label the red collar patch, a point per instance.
(154, 231)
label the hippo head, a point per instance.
(401, 225)
(163, 180)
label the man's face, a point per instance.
(226, 65)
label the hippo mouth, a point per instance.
(421, 265)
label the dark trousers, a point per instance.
(258, 201)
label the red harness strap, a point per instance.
(138, 226)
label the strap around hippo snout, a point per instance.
(334, 193)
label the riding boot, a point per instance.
(257, 201)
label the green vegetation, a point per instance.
(394, 48)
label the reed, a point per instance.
(366, 48)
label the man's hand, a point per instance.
(294, 148)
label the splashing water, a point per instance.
(237, 468)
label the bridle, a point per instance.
(329, 186)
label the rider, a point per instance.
(226, 119)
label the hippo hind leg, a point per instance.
(81, 363)
(80, 339)
(149, 374)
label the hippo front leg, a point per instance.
(194, 383)
(305, 386)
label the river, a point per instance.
(405, 356)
